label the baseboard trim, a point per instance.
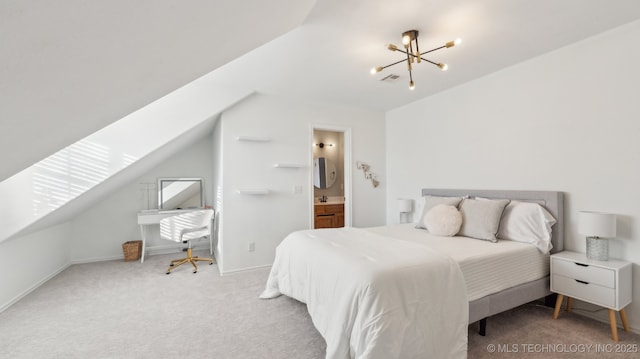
(15, 299)
(151, 251)
(238, 271)
(168, 249)
(96, 259)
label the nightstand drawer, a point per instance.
(587, 273)
(587, 291)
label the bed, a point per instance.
(495, 303)
(391, 292)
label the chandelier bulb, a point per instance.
(443, 67)
(375, 70)
(406, 40)
(453, 43)
(392, 47)
(411, 85)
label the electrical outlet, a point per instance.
(252, 246)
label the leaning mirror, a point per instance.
(324, 172)
(180, 193)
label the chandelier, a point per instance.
(412, 50)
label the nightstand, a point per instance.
(604, 283)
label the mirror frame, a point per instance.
(164, 180)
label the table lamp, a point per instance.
(404, 206)
(597, 227)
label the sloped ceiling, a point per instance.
(328, 58)
(69, 68)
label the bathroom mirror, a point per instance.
(180, 193)
(324, 172)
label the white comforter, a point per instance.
(372, 296)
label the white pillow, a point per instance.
(443, 220)
(429, 202)
(481, 218)
(529, 223)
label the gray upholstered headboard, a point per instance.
(552, 201)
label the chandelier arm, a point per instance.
(403, 60)
(432, 50)
(410, 50)
(395, 63)
(411, 85)
(408, 62)
(413, 55)
(429, 61)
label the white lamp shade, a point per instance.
(404, 205)
(595, 224)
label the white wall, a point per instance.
(266, 220)
(567, 121)
(98, 233)
(29, 261)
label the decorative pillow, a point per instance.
(429, 202)
(481, 218)
(529, 223)
(443, 220)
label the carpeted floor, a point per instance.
(529, 331)
(121, 309)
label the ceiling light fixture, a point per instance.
(411, 49)
(322, 144)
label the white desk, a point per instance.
(150, 218)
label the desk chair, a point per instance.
(183, 228)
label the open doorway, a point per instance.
(331, 177)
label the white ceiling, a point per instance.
(329, 57)
(70, 68)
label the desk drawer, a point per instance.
(586, 291)
(587, 273)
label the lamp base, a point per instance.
(598, 248)
(404, 217)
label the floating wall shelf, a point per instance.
(253, 138)
(253, 192)
(288, 165)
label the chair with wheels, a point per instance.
(184, 228)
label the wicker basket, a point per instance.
(132, 250)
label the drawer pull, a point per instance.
(581, 281)
(326, 215)
(582, 265)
